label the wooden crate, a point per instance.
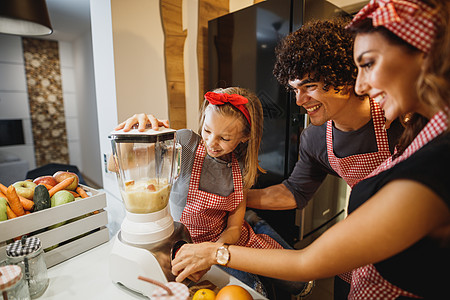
(73, 238)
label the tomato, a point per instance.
(204, 294)
(233, 292)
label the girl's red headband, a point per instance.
(236, 100)
(411, 20)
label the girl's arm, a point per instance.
(399, 215)
(232, 233)
(142, 120)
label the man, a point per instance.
(347, 137)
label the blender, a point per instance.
(147, 163)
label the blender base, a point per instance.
(128, 261)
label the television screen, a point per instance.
(11, 133)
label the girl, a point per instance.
(396, 238)
(218, 167)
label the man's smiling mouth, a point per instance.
(313, 108)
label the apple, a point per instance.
(50, 180)
(25, 188)
(61, 197)
(3, 215)
(61, 175)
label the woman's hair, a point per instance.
(433, 85)
(321, 50)
(247, 151)
(434, 81)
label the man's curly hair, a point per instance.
(321, 50)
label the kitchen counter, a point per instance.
(86, 276)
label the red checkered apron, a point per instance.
(367, 283)
(355, 167)
(206, 214)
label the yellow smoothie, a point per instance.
(146, 196)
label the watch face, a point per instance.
(222, 256)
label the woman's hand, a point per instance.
(198, 275)
(142, 120)
(192, 259)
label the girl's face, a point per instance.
(221, 134)
(387, 73)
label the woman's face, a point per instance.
(221, 133)
(387, 73)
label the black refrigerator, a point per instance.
(241, 52)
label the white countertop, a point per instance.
(86, 276)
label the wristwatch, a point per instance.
(223, 255)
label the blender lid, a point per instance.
(147, 136)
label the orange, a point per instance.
(204, 294)
(233, 292)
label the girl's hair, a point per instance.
(433, 85)
(247, 151)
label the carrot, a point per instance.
(3, 190)
(48, 186)
(27, 212)
(14, 201)
(10, 213)
(73, 193)
(60, 186)
(82, 192)
(27, 204)
(2, 195)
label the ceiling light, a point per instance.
(24, 17)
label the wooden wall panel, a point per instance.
(208, 10)
(171, 15)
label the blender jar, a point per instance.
(146, 163)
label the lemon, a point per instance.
(204, 294)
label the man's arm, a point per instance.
(275, 197)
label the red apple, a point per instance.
(50, 180)
(61, 175)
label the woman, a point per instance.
(396, 237)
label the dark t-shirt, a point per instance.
(424, 268)
(313, 166)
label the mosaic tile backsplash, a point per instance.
(43, 74)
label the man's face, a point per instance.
(321, 105)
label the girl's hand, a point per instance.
(192, 259)
(142, 120)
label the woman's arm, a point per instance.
(232, 233)
(399, 215)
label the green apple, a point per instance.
(3, 215)
(61, 197)
(25, 188)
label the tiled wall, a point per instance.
(43, 74)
